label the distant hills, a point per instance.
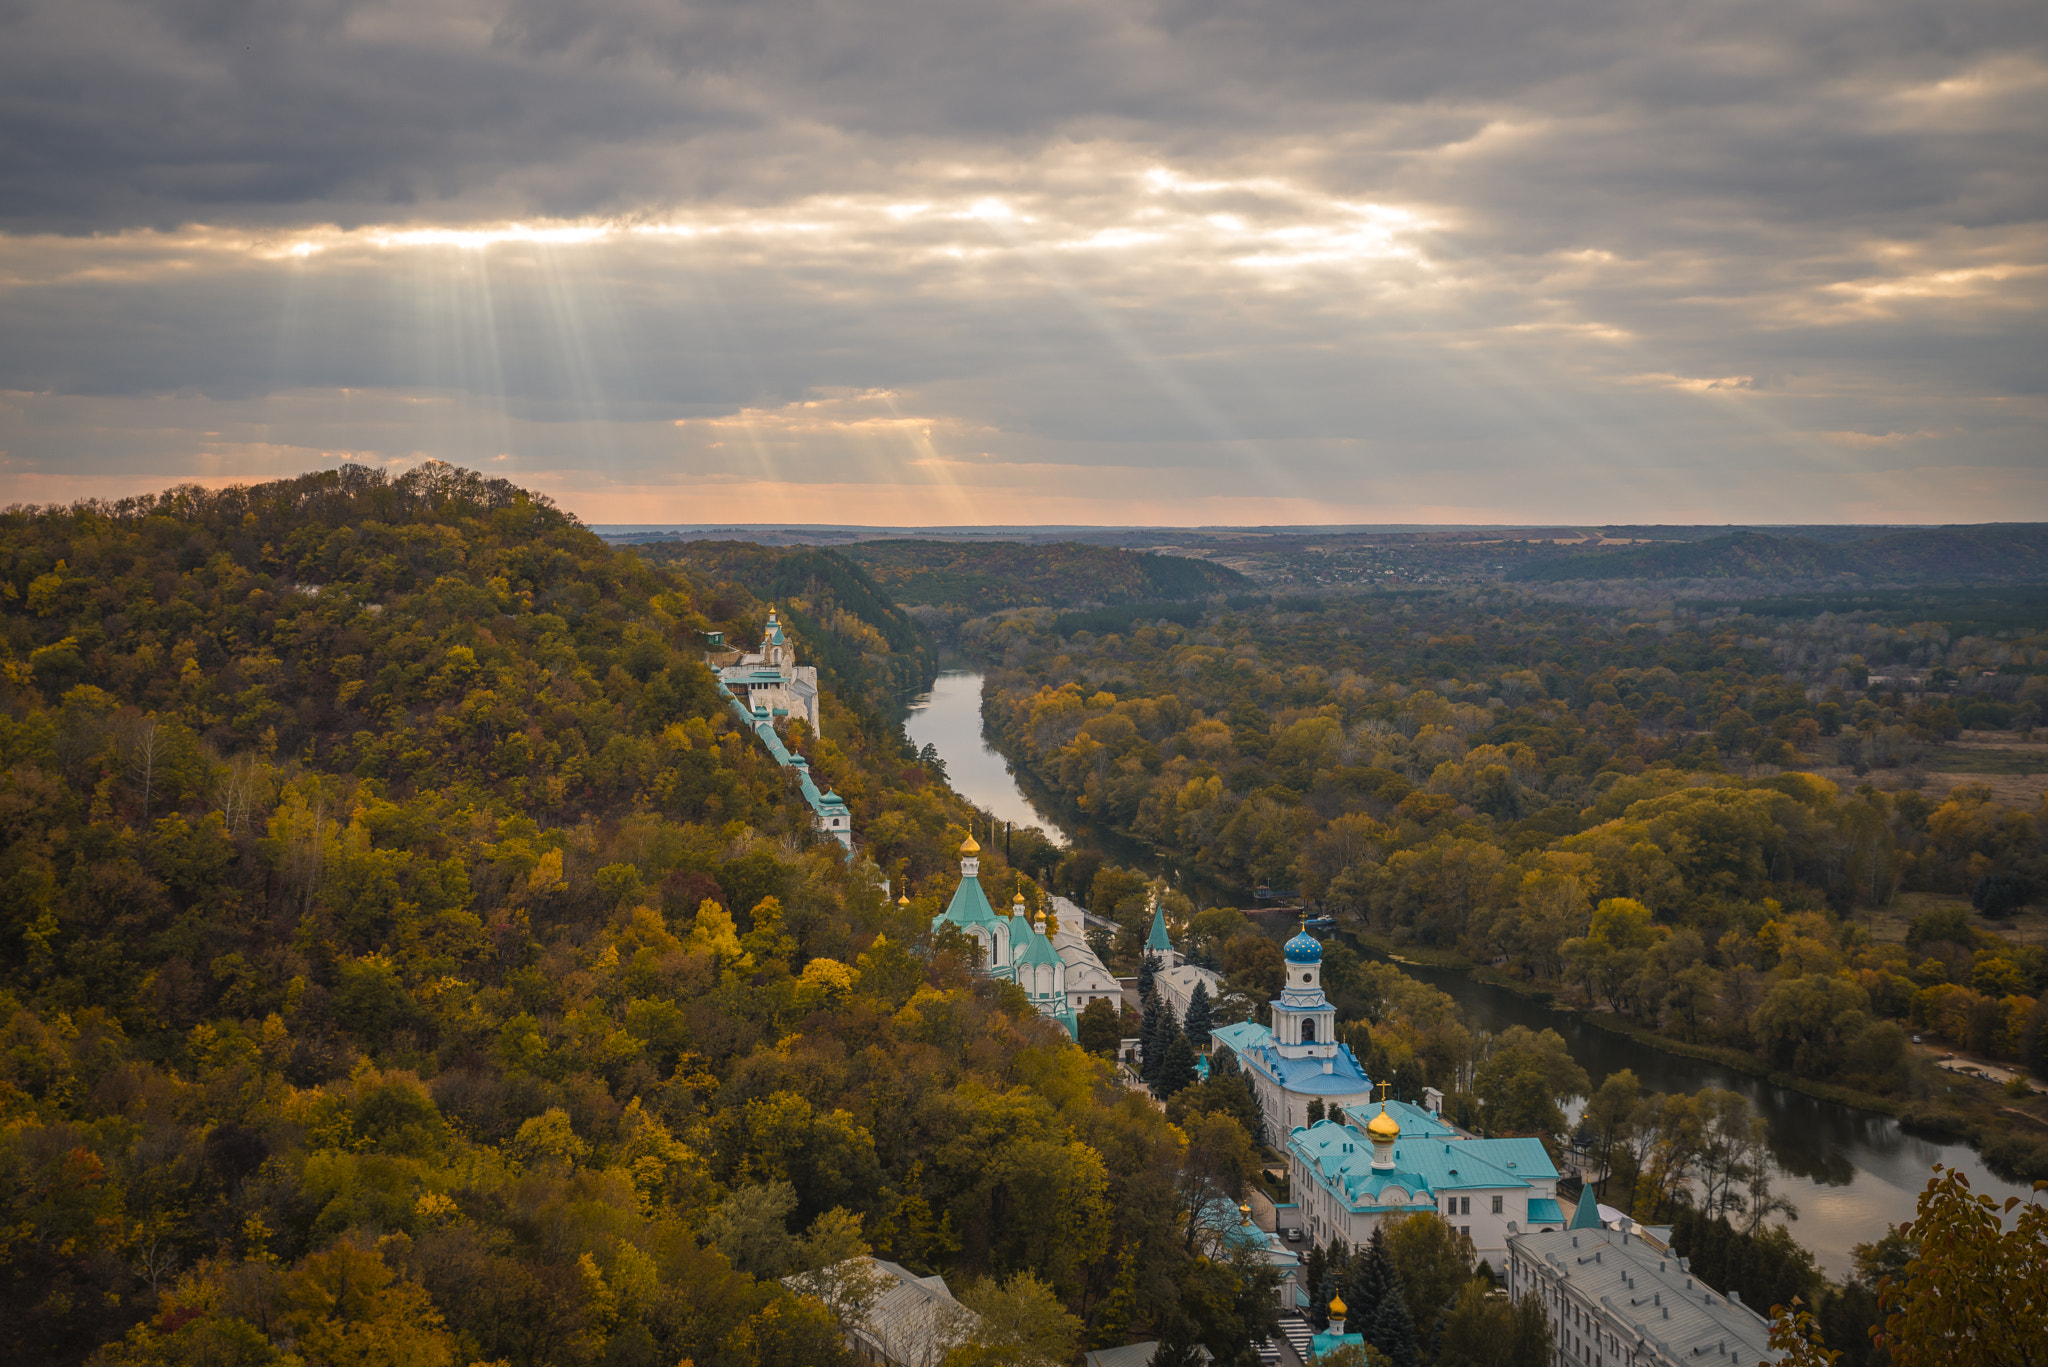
(2005, 552)
(982, 577)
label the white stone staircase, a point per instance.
(1297, 1332)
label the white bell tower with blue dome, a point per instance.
(1304, 1021)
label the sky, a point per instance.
(1051, 261)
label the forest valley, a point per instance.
(407, 959)
(1619, 811)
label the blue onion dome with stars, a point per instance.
(1304, 948)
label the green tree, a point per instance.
(1151, 1049)
(1019, 1323)
(751, 1229)
(1099, 1033)
(1199, 1019)
(1177, 1070)
(1431, 1261)
(1524, 1081)
(1608, 1114)
(1976, 1294)
(1483, 1329)
(1393, 1329)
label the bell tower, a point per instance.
(1304, 1021)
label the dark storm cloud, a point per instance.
(116, 114)
(1395, 257)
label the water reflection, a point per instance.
(1848, 1173)
(949, 719)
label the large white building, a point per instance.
(1615, 1299)
(765, 689)
(1087, 979)
(1347, 1177)
(1298, 1060)
(768, 683)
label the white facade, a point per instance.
(1617, 1300)
(1298, 1062)
(769, 684)
(1349, 1176)
(1087, 980)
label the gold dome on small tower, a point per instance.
(970, 846)
(1383, 1126)
(1337, 1306)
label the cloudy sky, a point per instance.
(1103, 261)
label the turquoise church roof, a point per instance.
(1037, 949)
(1340, 1158)
(1156, 942)
(969, 907)
(1587, 1216)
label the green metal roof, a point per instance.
(1037, 949)
(1156, 942)
(969, 906)
(1587, 1216)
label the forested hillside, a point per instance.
(1997, 553)
(866, 647)
(1607, 804)
(982, 577)
(407, 961)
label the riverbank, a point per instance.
(2010, 1137)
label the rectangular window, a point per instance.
(1496, 1204)
(1465, 1205)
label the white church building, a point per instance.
(768, 683)
(1299, 1059)
(1014, 948)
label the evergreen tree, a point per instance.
(1165, 1030)
(1369, 1275)
(1177, 1069)
(1335, 1276)
(1098, 1028)
(1200, 1019)
(1149, 1047)
(1316, 1114)
(1147, 967)
(1393, 1330)
(1315, 1275)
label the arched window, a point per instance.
(1308, 1031)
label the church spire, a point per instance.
(1157, 942)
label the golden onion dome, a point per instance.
(969, 846)
(1337, 1305)
(1384, 1126)
(903, 901)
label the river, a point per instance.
(949, 720)
(1848, 1173)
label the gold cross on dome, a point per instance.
(1385, 1087)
